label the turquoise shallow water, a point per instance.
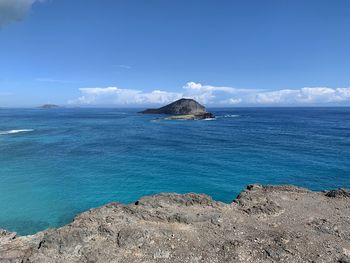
(65, 161)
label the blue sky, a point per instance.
(138, 52)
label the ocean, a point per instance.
(59, 162)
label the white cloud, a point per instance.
(207, 88)
(304, 96)
(277, 96)
(231, 101)
(118, 96)
(216, 96)
(14, 10)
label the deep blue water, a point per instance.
(70, 160)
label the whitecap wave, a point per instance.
(231, 116)
(15, 131)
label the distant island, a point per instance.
(182, 109)
(49, 106)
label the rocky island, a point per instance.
(263, 224)
(182, 109)
(49, 106)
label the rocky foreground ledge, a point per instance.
(264, 224)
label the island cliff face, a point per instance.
(179, 107)
(264, 224)
(187, 108)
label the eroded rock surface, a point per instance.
(264, 224)
(179, 107)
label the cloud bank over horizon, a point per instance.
(14, 10)
(215, 96)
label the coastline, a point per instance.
(263, 224)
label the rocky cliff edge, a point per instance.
(263, 224)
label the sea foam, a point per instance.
(15, 131)
(231, 116)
